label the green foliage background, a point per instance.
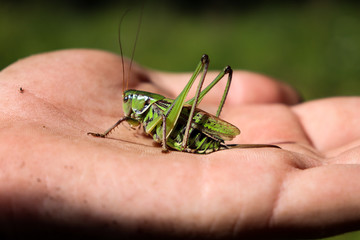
(313, 45)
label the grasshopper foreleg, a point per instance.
(107, 132)
(158, 111)
(164, 147)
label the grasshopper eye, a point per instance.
(126, 99)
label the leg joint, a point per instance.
(228, 69)
(205, 59)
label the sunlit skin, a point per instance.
(53, 172)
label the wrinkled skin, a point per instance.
(56, 177)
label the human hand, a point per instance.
(54, 175)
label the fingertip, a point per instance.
(250, 87)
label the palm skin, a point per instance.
(53, 174)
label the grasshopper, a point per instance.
(180, 125)
(177, 124)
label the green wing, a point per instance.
(211, 125)
(205, 122)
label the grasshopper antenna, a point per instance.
(121, 49)
(134, 47)
(135, 43)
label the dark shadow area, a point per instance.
(24, 223)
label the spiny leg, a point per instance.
(163, 117)
(164, 147)
(227, 70)
(110, 129)
(173, 112)
(226, 91)
(205, 61)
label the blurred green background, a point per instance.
(313, 45)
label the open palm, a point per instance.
(53, 174)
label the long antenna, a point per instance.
(121, 49)
(135, 43)
(133, 51)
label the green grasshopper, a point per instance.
(177, 124)
(180, 125)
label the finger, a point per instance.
(331, 124)
(246, 87)
(319, 201)
(55, 75)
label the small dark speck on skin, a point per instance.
(21, 90)
(22, 164)
(68, 167)
(38, 180)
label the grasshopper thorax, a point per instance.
(136, 102)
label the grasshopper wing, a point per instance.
(212, 126)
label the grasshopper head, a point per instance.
(127, 102)
(135, 102)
